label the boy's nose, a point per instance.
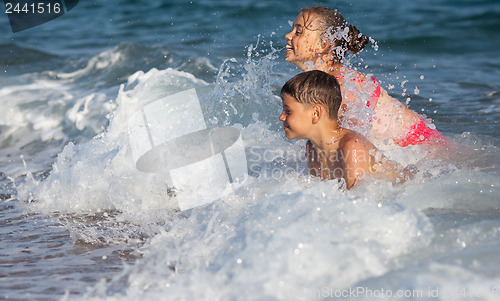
(282, 116)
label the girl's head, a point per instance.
(321, 33)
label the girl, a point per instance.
(319, 40)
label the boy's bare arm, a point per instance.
(391, 170)
(313, 160)
(362, 157)
(356, 155)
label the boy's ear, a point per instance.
(317, 113)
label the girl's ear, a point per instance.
(323, 46)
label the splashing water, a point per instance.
(284, 235)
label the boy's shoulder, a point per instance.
(353, 139)
(355, 145)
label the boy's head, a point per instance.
(315, 87)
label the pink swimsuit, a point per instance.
(419, 133)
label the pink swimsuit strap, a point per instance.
(376, 93)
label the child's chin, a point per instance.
(290, 58)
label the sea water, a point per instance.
(80, 222)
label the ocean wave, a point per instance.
(14, 55)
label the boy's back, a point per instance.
(350, 158)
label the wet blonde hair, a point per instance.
(337, 30)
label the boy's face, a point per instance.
(296, 118)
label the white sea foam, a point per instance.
(283, 235)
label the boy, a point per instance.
(311, 101)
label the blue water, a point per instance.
(79, 222)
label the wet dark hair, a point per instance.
(354, 41)
(315, 87)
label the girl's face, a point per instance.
(296, 118)
(303, 42)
